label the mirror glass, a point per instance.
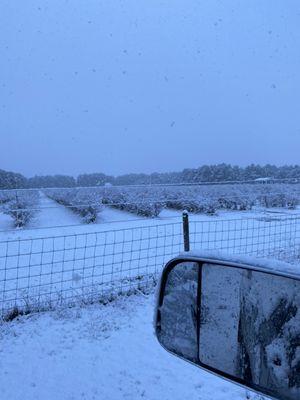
(177, 325)
(250, 328)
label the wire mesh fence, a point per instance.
(46, 272)
(42, 273)
(263, 236)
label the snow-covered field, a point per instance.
(53, 219)
(47, 213)
(59, 260)
(109, 351)
(99, 352)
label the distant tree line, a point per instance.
(11, 180)
(51, 181)
(205, 173)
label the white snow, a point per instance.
(52, 214)
(99, 352)
(58, 220)
(262, 263)
(109, 352)
(6, 222)
(53, 218)
(108, 215)
(75, 259)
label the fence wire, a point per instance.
(47, 272)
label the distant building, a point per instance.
(101, 183)
(264, 180)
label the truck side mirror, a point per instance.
(239, 321)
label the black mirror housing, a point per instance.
(236, 317)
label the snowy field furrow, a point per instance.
(52, 214)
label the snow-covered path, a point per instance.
(6, 222)
(99, 352)
(108, 215)
(53, 214)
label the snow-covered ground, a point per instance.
(108, 352)
(53, 214)
(40, 267)
(58, 220)
(55, 219)
(102, 353)
(6, 222)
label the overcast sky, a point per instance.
(120, 86)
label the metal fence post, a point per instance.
(186, 230)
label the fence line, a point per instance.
(42, 273)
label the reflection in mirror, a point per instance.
(250, 328)
(178, 320)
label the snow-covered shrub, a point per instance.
(234, 202)
(205, 199)
(85, 202)
(148, 201)
(190, 199)
(5, 196)
(280, 200)
(22, 207)
(139, 201)
(87, 206)
(237, 197)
